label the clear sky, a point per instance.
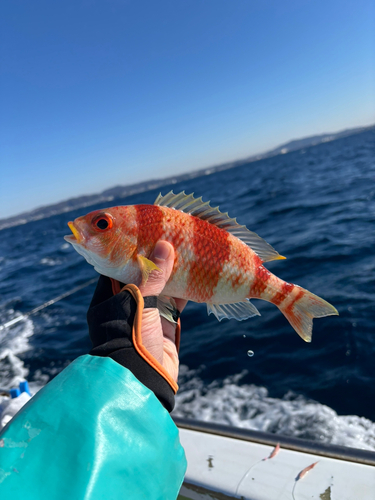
(99, 93)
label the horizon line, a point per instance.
(230, 163)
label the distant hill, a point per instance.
(122, 191)
(314, 140)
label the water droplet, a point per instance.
(250, 354)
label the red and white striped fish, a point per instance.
(217, 261)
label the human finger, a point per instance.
(163, 257)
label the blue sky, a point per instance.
(99, 93)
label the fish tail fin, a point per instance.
(300, 307)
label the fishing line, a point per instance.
(46, 304)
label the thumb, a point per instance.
(163, 257)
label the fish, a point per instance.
(217, 261)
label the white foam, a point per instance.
(14, 341)
(250, 407)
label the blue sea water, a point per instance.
(315, 206)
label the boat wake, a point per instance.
(13, 342)
(248, 406)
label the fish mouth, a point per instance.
(75, 237)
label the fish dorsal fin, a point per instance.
(203, 210)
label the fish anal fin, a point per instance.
(239, 310)
(146, 266)
(203, 210)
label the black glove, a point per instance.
(115, 331)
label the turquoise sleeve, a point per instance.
(94, 432)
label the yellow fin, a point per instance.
(146, 267)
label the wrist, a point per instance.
(115, 327)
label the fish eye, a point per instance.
(102, 222)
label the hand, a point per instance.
(158, 334)
(144, 345)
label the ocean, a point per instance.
(316, 206)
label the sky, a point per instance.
(99, 93)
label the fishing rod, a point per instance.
(46, 304)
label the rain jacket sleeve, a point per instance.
(94, 432)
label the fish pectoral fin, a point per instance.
(239, 310)
(146, 266)
(167, 308)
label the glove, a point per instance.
(125, 325)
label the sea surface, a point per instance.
(316, 206)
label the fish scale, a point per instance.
(217, 261)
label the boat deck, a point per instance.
(226, 463)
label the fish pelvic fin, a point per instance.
(300, 307)
(167, 308)
(203, 210)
